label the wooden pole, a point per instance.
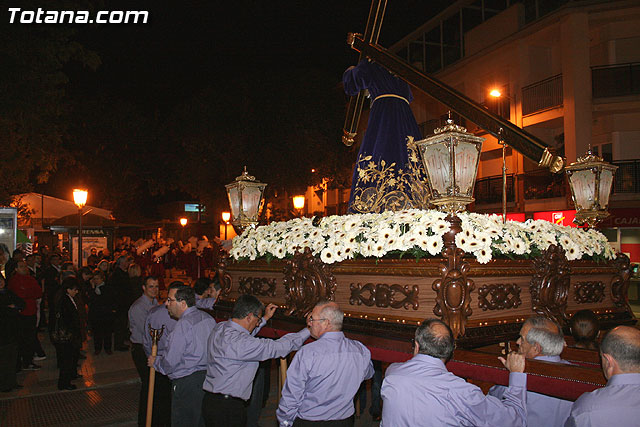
(155, 336)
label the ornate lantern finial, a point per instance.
(590, 179)
(451, 159)
(246, 197)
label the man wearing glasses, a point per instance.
(234, 355)
(185, 360)
(324, 375)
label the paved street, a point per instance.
(107, 394)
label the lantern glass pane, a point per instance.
(583, 183)
(606, 179)
(436, 160)
(234, 201)
(466, 167)
(251, 201)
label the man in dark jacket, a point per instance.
(51, 278)
(119, 283)
(102, 308)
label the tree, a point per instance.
(33, 110)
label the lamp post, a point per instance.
(226, 216)
(80, 199)
(298, 203)
(183, 223)
(590, 179)
(497, 94)
(246, 198)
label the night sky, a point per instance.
(155, 68)
(186, 44)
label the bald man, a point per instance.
(422, 392)
(325, 374)
(618, 403)
(541, 339)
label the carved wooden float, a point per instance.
(384, 299)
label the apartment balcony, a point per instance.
(543, 95)
(616, 80)
(626, 182)
(489, 190)
(544, 185)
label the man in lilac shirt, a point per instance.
(324, 375)
(234, 355)
(617, 403)
(421, 392)
(185, 359)
(159, 316)
(541, 339)
(137, 315)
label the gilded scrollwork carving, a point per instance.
(499, 296)
(222, 275)
(588, 292)
(550, 284)
(382, 295)
(620, 282)
(256, 286)
(453, 288)
(307, 280)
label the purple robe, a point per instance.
(391, 121)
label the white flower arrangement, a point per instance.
(417, 233)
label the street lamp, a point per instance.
(298, 203)
(80, 199)
(590, 179)
(246, 200)
(226, 216)
(183, 223)
(451, 159)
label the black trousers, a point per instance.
(347, 422)
(254, 406)
(68, 362)
(186, 400)
(120, 329)
(8, 360)
(161, 401)
(102, 333)
(140, 361)
(26, 338)
(221, 411)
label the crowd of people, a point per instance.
(43, 291)
(206, 372)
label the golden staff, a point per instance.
(156, 334)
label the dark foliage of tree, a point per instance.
(33, 108)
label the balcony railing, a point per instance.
(489, 190)
(542, 95)
(627, 179)
(544, 185)
(616, 80)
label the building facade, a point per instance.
(567, 72)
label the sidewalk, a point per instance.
(107, 393)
